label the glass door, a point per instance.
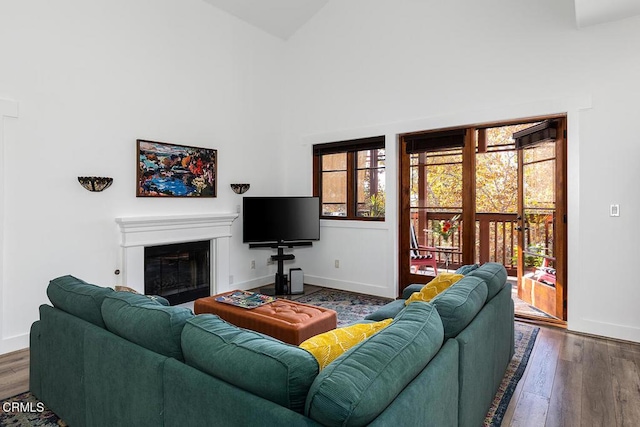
(541, 218)
(431, 224)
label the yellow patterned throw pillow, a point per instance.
(328, 346)
(429, 291)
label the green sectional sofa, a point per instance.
(477, 313)
(104, 358)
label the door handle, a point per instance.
(518, 228)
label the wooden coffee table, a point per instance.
(288, 321)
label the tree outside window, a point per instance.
(370, 182)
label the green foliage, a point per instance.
(531, 260)
(496, 176)
(376, 205)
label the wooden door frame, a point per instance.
(469, 197)
(561, 222)
(468, 204)
(405, 220)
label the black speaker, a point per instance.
(296, 277)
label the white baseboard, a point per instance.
(248, 284)
(606, 330)
(18, 342)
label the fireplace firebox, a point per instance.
(179, 272)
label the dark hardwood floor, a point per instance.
(571, 380)
(14, 373)
(577, 380)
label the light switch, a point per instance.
(614, 210)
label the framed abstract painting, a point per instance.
(172, 170)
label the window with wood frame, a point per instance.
(349, 178)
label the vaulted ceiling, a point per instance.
(591, 12)
(282, 18)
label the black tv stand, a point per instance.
(281, 279)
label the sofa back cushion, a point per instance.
(356, 387)
(466, 269)
(495, 276)
(145, 322)
(254, 362)
(439, 284)
(156, 298)
(459, 304)
(78, 298)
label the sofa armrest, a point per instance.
(430, 400)
(387, 311)
(416, 287)
(35, 352)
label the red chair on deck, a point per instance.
(422, 256)
(545, 273)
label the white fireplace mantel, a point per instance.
(138, 232)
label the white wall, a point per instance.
(81, 81)
(89, 78)
(370, 67)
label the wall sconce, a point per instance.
(95, 183)
(240, 188)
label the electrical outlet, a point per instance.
(337, 263)
(231, 280)
(253, 264)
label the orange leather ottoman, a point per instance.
(288, 321)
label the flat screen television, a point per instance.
(280, 220)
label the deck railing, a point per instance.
(496, 238)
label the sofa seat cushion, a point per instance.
(328, 346)
(78, 298)
(254, 362)
(387, 311)
(494, 274)
(361, 383)
(145, 322)
(459, 304)
(439, 284)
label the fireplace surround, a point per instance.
(137, 233)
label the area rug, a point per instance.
(350, 306)
(24, 410)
